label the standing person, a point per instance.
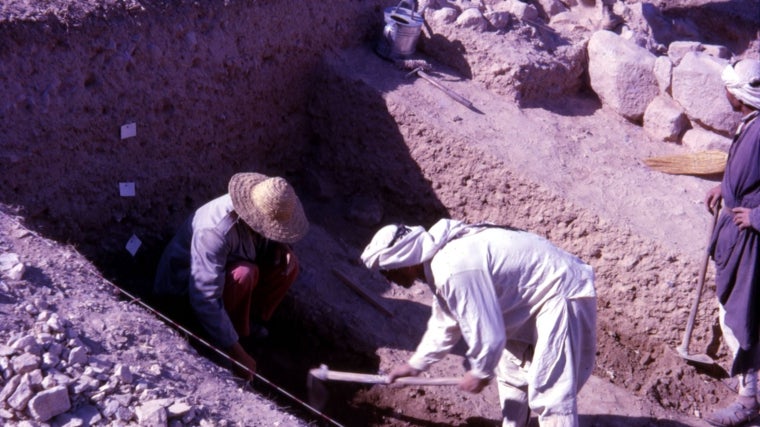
(232, 261)
(735, 243)
(525, 308)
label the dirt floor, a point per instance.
(385, 148)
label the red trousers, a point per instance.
(252, 291)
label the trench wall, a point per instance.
(213, 88)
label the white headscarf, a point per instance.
(743, 81)
(414, 247)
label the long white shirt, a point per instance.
(489, 288)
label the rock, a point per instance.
(665, 120)
(77, 355)
(24, 363)
(54, 323)
(678, 49)
(110, 407)
(6, 350)
(7, 261)
(663, 72)
(179, 410)
(445, 15)
(16, 272)
(499, 19)
(49, 403)
(697, 86)
(84, 383)
(522, 11)
(9, 388)
(472, 18)
(89, 414)
(622, 74)
(21, 395)
(153, 412)
(27, 343)
(123, 374)
(699, 139)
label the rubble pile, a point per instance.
(50, 375)
(75, 352)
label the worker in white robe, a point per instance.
(525, 308)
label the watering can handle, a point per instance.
(408, 3)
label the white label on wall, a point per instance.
(133, 244)
(127, 189)
(128, 130)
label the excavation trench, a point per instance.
(305, 97)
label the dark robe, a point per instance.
(736, 252)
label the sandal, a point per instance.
(732, 415)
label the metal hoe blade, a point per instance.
(683, 349)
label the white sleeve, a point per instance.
(441, 335)
(472, 300)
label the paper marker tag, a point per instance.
(133, 244)
(127, 189)
(128, 130)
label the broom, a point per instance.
(708, 162)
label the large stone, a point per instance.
(678, 49)
(24, 363)
(699, 139)
(622, 74)
(472, 18)
(153, 412)
(522, 11)
(697, 86)
(49, 403)
(665, 120)
(78, 356)
(22, 394)
(123, 374)
(9, 388)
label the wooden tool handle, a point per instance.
(324, 374)
(427, 381)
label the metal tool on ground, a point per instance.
(683, 349)
(455, 96)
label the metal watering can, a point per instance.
(401, 32)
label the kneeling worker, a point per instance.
(232, 259)
(525, 308)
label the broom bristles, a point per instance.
(708, 162)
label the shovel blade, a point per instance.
(318, 395)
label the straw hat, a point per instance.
(269, 206)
